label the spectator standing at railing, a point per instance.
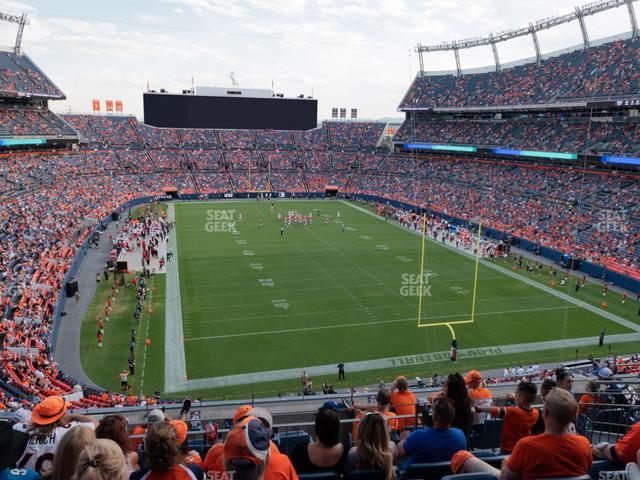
(518, 420)
(479, 395)
(382, 406)
(403, 402)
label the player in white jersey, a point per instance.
(49, 423)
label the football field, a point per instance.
(243, 308)
(257, 305)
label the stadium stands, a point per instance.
(31, 122)
(608, 71)
(550, 134)
(19, 75)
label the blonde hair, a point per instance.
(68, 451)
(561, 406)
(372, 445)
(102, 460)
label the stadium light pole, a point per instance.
(583, 27)
(420, 59)
(456, 54)
(632, 18)
(495, 52)
(536, 44)
(21, 20)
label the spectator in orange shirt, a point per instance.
(623, 451)
(383, 399)
(588, 397)
(553, 454)
(403, 402)
(518, 420)
(479, 395)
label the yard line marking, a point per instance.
(363, 324)
(188, 323)
(391, 362)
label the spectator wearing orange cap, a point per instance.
(212, 461)
(279, 466)
(479, 395)
(49, 423)
(190, 456)
(247, 449)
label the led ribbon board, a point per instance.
(7, 142)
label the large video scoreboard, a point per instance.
(190, 110)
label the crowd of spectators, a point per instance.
(18, 75)
(547, 134)
(32, 121)
(606, 71)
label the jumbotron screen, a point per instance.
(199, 111)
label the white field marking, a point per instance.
(248, 253)
(404, 259)
(603, 313)
(365, 237)
(241, 242)
(361, 324)
(175, 366)
(146, 335)
(323, 312)
(331, 287)
(383, 247)
(459, 290)
(267, 282)
(391, 362)
(282, 303)
(256, 266)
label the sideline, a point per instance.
(175, 369)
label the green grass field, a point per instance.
(259, 302)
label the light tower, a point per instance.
(21, 20)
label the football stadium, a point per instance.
(235, 283)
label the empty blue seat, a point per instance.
(319, 476)
(420, 471)
(470, 476)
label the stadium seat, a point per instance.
(419, 471)
(288, 440)
(365, 475)
(470, 476)
(319, 476)
(486, 435)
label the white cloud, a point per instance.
(352, 53)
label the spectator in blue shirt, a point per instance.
(436, 444)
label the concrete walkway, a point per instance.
(68, 341)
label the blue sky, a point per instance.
(348, 53)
